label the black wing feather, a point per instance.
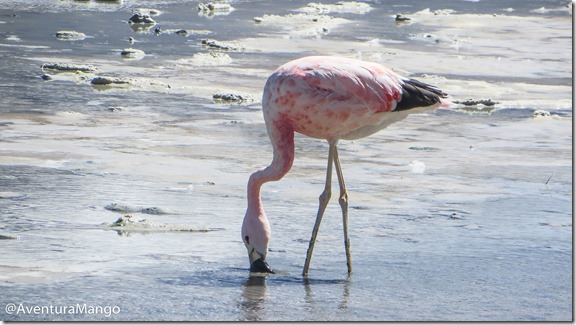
(418, 94)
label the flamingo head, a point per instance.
(255, 235)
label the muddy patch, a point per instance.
(128, 224)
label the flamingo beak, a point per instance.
(261, 266)
(257, 261)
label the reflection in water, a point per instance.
(344, 302)
(253, 296)
(308, 283)
(255, 292)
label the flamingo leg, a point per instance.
(343, 200)
(324, 199)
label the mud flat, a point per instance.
(128, 224)
(207, 59)
(123, 208)
(301, 24)
(338, 7)
(212, 9)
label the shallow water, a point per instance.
(461, 214)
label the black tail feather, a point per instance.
(418, 94)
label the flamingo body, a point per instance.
(327, 98)
(334, 98)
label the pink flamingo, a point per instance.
(327, 98)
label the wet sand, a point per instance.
(462, 214)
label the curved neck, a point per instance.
(282, 138)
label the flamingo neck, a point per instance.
(282, 138)
(255, 207)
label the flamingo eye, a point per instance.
(247, 240)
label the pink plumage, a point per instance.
(329, 98)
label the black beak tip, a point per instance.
(260, 266)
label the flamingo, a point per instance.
(328, 98)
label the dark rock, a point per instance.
(139, 18)
(70, 35)
(68, 67)
(230, 98)
(401, 18)
(214, 44)
(132, 53)
(109, 81)
(473, 102)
